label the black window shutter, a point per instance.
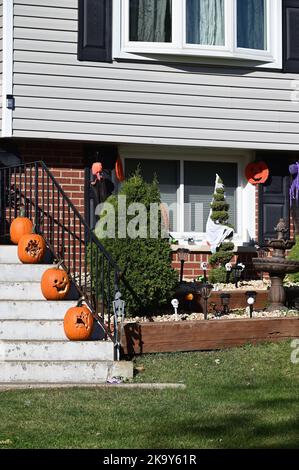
(95, 30)
(291, 36)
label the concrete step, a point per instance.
(27, 291)
(40, 330)
(34, 309)
(56, 350)
(32, 330)
(9, 255)
(23, 272)
(20, 291)
(63, 371)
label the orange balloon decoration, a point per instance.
(78, 323)
(119, 171)
(257, 172)
(19, 227)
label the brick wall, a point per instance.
(66, 162)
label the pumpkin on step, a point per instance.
(78, 323)
(31, 248)
(55, 283)
(19, 227)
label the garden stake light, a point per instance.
(183, 256)
(204, 267)
(238, 270)
(175, 304)
(225, 298)
(251, 298)
(228, 268)
(206, 291)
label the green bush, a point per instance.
(294, 255)
(217, 275)
(145, 262)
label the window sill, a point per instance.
(203, 248)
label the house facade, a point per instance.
(186, 89)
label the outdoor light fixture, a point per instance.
(10, 102)
(238, 270)
(206, 291)
(225, 298)
(204, 267)
(251, 298)
(183, 256)
(228, 268)
(119, 315)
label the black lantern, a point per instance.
(206, 291)
(225, 298)
(251, 298)
(183, 256)
(238, 271)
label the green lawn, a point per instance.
(240, 398)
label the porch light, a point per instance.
(206, 291)
(183, 256)
(251, 298)
(225, 298)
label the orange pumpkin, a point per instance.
(78, 323)
(55, 284)
(31, 248)
(119, 171)
(19, 227)
(257, 173)
(189, 296)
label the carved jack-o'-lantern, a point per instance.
(257, 172)
(78, 323)
(19, 227)
(55, 284)
(31, 248)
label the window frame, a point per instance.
(245, 192)
(230, 53)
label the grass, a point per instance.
(239, 398)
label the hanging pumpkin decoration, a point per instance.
(257, 172)
(78, 323)
(55, 283)
(31, 248)
(20, 226)
(119, 171)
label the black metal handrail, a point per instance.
(67, 235)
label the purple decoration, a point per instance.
(294, 189)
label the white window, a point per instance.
(229, 29)
(187, 186)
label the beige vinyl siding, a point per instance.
(1, 58)
(57, 96)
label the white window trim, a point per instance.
(245, 192)
(226, 55)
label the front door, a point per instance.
(274, 201)
(95, 193)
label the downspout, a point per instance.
(7, 69)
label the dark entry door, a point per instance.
(106, 155)
(274, 196)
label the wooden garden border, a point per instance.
(141, 338)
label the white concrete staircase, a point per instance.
(33, 346)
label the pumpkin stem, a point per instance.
(22, 212)
(79, 303)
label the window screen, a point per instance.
(199, 188)
(167, 173)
